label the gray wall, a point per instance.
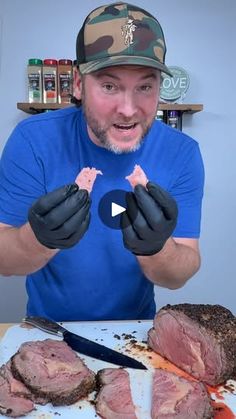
(200, 38)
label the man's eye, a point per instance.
(145, 88)
(108, 87)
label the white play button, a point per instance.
(116, 209)
(112, 207)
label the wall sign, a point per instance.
(173, 88)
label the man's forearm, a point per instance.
(172, 266)
(20, 251)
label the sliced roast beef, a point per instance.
(19, 388)
(114, 400)
(198, 338)
(52, 370)
(87, 177)
(14, 396)
(174, 397)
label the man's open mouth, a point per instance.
(125, 127)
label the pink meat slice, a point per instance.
(137, 177)
(52, 370)
(18, 387)
(14, 396)
(87, 177)
(175, 397)
(114, 400)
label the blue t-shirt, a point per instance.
(98, 278)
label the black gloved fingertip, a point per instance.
(151, 185)
(84, 194)
(72, 189)
(129, 197)
(138, 187)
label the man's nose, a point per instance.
(127, 104)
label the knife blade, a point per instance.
(84, 345)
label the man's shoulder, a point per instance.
(170, 135)
(46, 129)
(170, 147)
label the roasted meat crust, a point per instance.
(216, 320)
(205, 336)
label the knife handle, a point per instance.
(45, 324)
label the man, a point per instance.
(77, 267)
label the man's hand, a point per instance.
(60, 218)
(149, 220)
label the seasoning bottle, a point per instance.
(173, 119)
(34, 71)
(160, 115)
(65, 81)
(50, 80)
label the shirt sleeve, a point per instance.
(188, 193)
(21, 178)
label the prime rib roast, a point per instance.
(114, 400)
(176, 397)
(198, 338)
(52, 371)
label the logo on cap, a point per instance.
(127, 32)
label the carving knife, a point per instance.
(83, 345)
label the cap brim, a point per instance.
(96, 65)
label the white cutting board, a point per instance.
(123, 336)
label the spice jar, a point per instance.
(34, 71)
(50, 81)
(174, 119)
(64, 81)
(160, 115)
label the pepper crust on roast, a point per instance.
(198, 338)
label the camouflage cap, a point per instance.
(120, 34)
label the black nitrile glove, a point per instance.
(60, 218)
(149, 219)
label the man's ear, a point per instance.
(77, 84)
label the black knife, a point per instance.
(83, 345)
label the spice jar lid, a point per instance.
(50, 61)
(173, 114)
(35, 61)
(65, 62)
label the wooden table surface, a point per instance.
(4, 327)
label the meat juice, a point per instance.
(221, 411)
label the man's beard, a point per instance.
(101, 133)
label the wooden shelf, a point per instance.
(40, 107)
(183, 107)
(33, 108)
